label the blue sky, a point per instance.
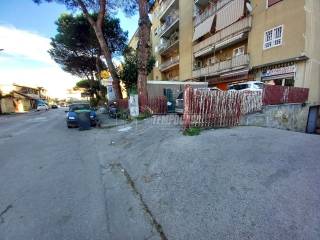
(25, 31)
(26, 15)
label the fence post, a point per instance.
(187, 101)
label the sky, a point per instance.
(25, 32)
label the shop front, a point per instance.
(279, 75)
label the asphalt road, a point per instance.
(148, 181)
(50, 184)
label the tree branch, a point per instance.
(102, 12)
(86, 12)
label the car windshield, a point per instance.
(239, 87)
(79, 107)
(258, 85)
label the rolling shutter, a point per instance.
(203, 28)
(229, 14)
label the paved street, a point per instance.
(50, 180)
(151, 182)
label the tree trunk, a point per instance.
(107, 54)
(143, 48)
(97, 27)
(102, 94)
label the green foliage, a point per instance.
(129, 71)
(94, 102)
(192, 131)
(75, 47)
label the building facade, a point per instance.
(228, 41)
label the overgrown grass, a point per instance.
(192, 131)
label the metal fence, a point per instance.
(154, 105)
(218, 108)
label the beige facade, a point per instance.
(227, 41)
(133, 43)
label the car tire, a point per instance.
(68, 126)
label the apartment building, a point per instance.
(227, 41)
(284, 44)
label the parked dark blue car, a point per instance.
(80, 108)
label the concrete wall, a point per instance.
(292, 117)
(185, 39)
(290, 14)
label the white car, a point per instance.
(251, 86)
(42, 106)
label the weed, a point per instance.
(192, 131)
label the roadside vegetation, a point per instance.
(192, 131)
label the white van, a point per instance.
(245, 86)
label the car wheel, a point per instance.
(68, 126)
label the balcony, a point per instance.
(223, 38)
(170, 44)
(168, 47)
(174, 61)
(167, 7)
(171, 24)
(234, 63)
(211, 10)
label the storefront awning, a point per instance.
(229, 14)
(281, 76)
(203, 28)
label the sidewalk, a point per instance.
(108, 122)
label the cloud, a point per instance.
(21, 43)
(25, 60)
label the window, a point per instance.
(277, 36)
(238, 51)
(273, 37)
(272, 2)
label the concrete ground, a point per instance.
(240, 183)
(148, 181)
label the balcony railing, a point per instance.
(170, 63)
(169, 23)
(211, 10)
(165, 46)
(233, 63)
(165, 7)
(236, 28)
(172, 42)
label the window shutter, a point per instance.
(272, 2)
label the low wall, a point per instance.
(292, 117)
